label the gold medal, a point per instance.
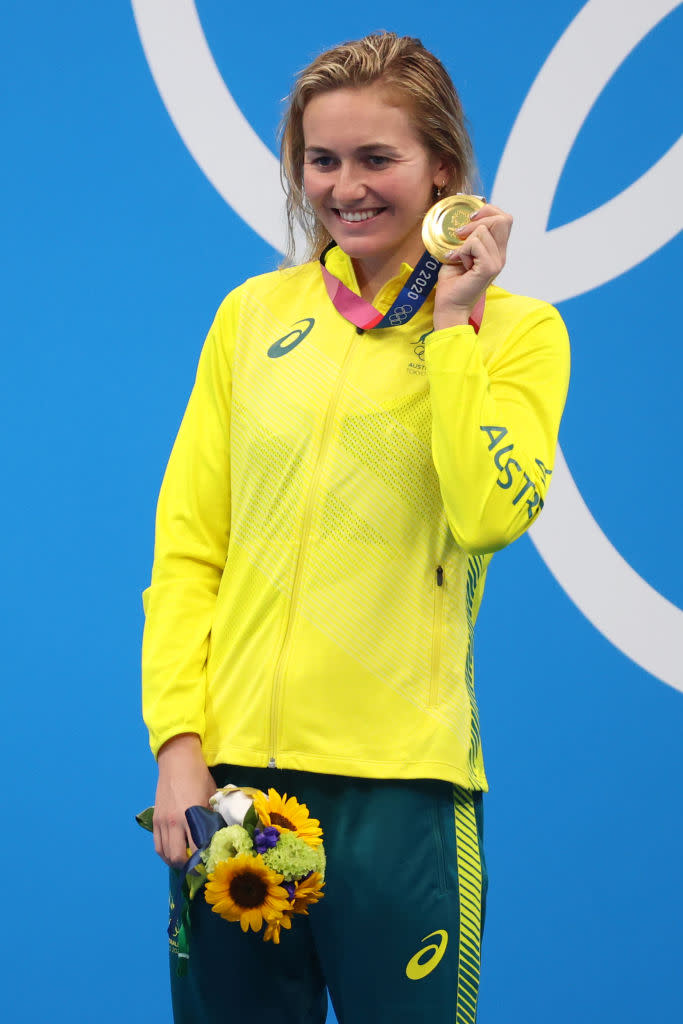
(444, 219)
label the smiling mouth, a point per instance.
(357, 216)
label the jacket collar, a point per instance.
(340, 264)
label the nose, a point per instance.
(349, 185)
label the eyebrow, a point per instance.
(371, 147)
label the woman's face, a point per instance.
(367, 174)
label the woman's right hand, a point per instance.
(184, 781)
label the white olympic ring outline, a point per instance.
(557, 265)
(554, 265)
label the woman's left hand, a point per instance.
(471, 268)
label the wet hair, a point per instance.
(413, 75)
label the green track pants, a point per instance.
(396, 939)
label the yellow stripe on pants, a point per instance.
(470, 886)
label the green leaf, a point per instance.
(144, 818)
(251, 820)
(195, 880)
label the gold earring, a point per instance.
(439, 189)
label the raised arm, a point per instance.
(495, 425)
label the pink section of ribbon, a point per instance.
(477, 314)
(363, 314)
(354, 309)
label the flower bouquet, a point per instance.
(259, 859)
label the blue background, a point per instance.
(117, 252)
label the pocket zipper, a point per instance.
(436, 636)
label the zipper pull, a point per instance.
(439, 576)
(271, 763)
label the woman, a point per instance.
(324, 528)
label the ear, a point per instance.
(443, 173)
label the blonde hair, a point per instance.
(406, 67)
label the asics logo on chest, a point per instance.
(285, 344)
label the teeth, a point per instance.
(356, 215)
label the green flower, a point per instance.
(294, 858)
(226, 843)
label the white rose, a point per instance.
(232, 803)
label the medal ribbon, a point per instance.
(406, 304)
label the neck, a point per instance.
(372, 275)
(373, 272)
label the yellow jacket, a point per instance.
(326, 521)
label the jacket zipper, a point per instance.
(436, 636)
(303, 543)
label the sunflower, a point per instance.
(308, 891)
(243, 889)
(288, 815)
(272, 931)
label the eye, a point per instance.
(375, 160)
(322, 162)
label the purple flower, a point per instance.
(290, 887)
(265, 838)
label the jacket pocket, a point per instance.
(437, 629)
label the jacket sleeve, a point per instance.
(495, 425)
(190, 550)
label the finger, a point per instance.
(488, 210)
(464, 260)
(477, 249)
(176, 846)
(490, 250)
(491, 212)
(500, 229)
(169, 846)
(461, 260)
(158, 842)
(499, 226)
(161, 845)
(484, 248)
(452, 261)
